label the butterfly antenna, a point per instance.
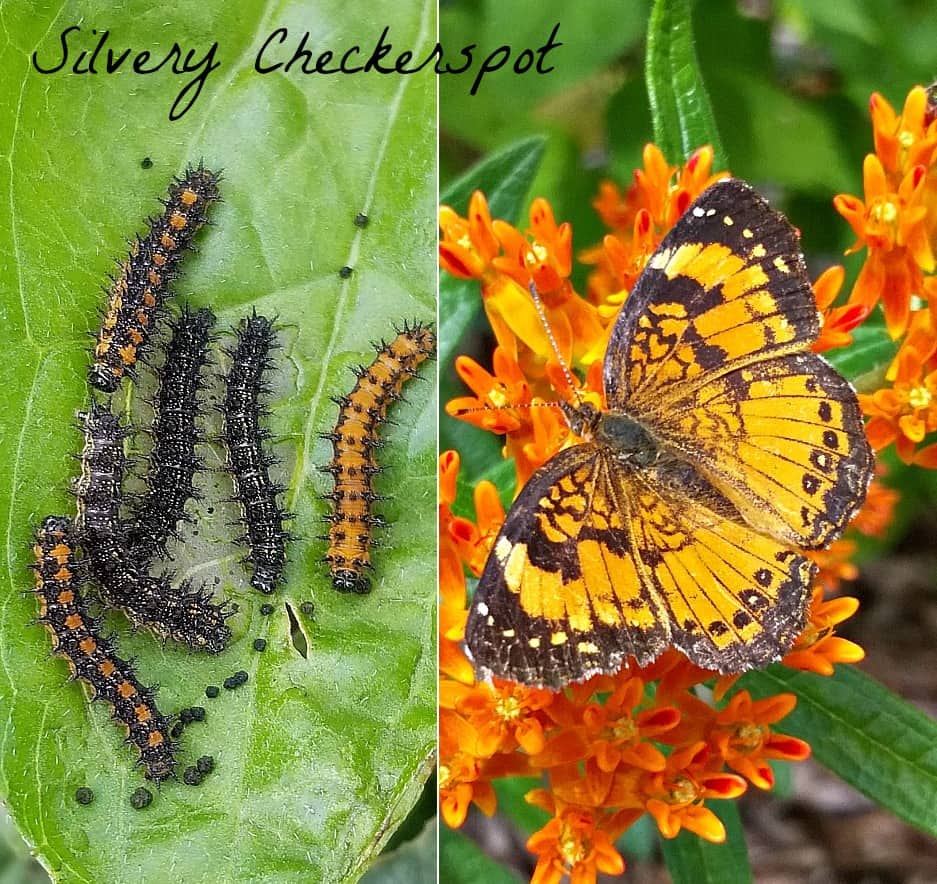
(538, 305)
(512, 407)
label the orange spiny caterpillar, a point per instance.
(141, 286)
(354, 440)
(92, 658)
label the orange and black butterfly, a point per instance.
(727, 447)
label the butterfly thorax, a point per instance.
(627, 438)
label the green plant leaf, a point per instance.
(595, 35)
(866, 359)
(865, 734)
(680, 107)
(462, 861)
(324, 750)
(691, 860)
(511, 802)
(414, 862)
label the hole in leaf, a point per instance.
(297, 636)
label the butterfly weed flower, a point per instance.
(878, 511)
(676, 796)
(578, 842)
(502, 399)
(509, 714)
(892, 224)
(461, 776)
(904, 413)
(454, 534)
(904, 140)
(638, 219)
(897, 219)
(662, 739)
(836, 322)
(818, 648)
(620, 730)
(743, 737)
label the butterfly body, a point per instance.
(726, 448)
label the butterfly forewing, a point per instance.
(561, 597)
(727, 287)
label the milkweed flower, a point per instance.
(638, 219)
(836, 323)
(743, 737)
(677, 795)
(818, 648)
(892, 224)
(906, 412)
(577, 842)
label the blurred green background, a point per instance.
(789, 83)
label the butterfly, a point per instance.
(727, 448)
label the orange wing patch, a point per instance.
(734, 597)
(726, 288)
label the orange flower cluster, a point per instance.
(897, 224)
(643, 740)
(614, 747)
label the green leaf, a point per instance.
(414, 862)
(462, 861)
(308, 784)
(511, 802)
(680, 106)
(691, 860)
(865, 734)
(596, 35)
(866, 359)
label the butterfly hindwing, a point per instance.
(784, 440)
(735, 598)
